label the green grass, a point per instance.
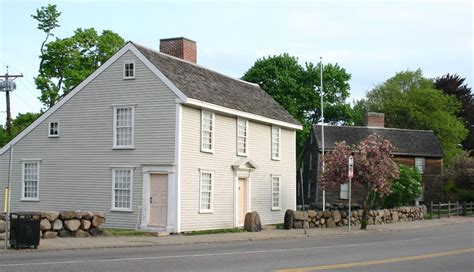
(215, 231)
(126, 232)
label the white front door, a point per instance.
(158, 200)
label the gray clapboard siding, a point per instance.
(224, 156)
(76, 168)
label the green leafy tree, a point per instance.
(410, 101)
(68, 61)
(455, 85)
(22, 121)
(374, 169)
(404, 190)
(296, 88)
(47, 18)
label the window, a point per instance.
(129, 70)
(242, 137)
(206, 186)
(310, 161)
(276, 193)
(309, 190)
(207, 131)
(53, 129)
(30, 181)
(122, 180)
(276, 143)
(420, 164)
(123, 127)
(344, 193)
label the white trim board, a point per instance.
(243, 114)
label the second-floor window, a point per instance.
(276, 143)
(207, 131)
(242, 137)
(123, 127)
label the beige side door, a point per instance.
(158, 200)
(242, 200)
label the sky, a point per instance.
(372, 40)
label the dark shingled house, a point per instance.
(418, 148)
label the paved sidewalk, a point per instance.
(267, 234)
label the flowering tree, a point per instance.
(373, 168)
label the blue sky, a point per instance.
(371, 39)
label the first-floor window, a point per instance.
(276, 192)
(344, 193)
(30, 181)
(420, 164)
(122, 189)
(206, 186)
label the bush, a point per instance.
(405, 189)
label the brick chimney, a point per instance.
(374, 119)
(179, 47)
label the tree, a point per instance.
(68, 61)
(22, 121)
(458, 178)
(410, 101)
(296, 88)
(47, 18)
(405, 189)
(373, 168)
(454, 85)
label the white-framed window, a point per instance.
(207, 131)
(344, 191)
(276, 192)
(206, 186)
(122, 188)
(129, 70)
(30, 181)
(420, 164)
(242, 137)
(276, 143)
(123, 126)
(53, 129)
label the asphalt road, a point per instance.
(445, 248)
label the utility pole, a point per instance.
(8, 86)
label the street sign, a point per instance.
(351, 167)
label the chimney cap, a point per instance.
(177, 38)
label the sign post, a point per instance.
(350, 174)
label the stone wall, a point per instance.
(331, 219)
(65, 224)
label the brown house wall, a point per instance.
(432, 188)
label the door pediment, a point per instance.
(244, 164)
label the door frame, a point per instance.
(165, 169)
(246, 196)
(242, 169)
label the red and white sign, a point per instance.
(351, 167)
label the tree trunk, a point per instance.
(368, 201)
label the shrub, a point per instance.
(405, 189)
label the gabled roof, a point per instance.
(181, 75)
(197, 82)
(408, 142)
